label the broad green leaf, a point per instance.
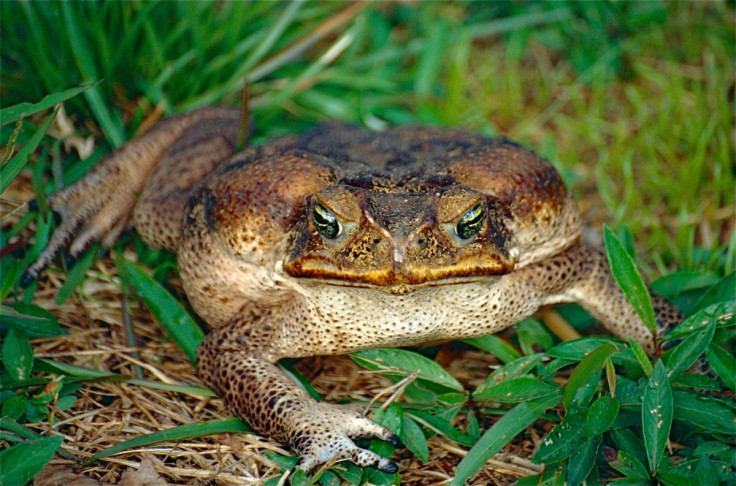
(75, 277)
(704, 473)
(682, 281)
(167, 310)
(25, 109)
(629, 280)
(503, 431)
(14, 407)
(413, 438)
(626, 464)
(563, 441)
(723, 364)
(724, 313)
(517, 390)
(496, 346)
(284, 462)
(509, 371)
(299, 478)
(626, 440)
(22, 461)
(589, 366)
(402, 362)
(601, 415)
(35, 321)
(582, 461)
(17, 354)
(656, 415)
(16, 164)
(682, 356)
(182, 432)
(722, 291)
(580, 348)
(714, 415)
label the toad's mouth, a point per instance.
(399, 288)
(401, 278)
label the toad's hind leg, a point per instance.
(195, 154)
(167, 160)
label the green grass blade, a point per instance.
(16, 164)
(589, 366)
(641, 357)
(656, 416)
(82, 53)
(167, 310)
(23, 110)
(77, 273)
(628, 278)
(182, 432)
(513, 422)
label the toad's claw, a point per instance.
(328, 434)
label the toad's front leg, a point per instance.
(259, 392)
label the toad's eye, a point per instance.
(326, 222)
(470, 223)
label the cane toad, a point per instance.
(338, 240)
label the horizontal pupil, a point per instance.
(323, 217)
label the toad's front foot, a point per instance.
(326, 432)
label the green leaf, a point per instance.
(299, 478)
(626, 464)
(682, 356)
(284, 462)
(16, 164)
(580, 348)
(167, 310)
(14, 407)
(708, 413)
(17, 354)
(629, 280)
(19, 463)
(723, 290)
(601, 415)
(402, 362)
(503, 431)
(496, 346)
(517, 390)
(682, 281)
(182, 432)
(25, 109)
(724, 313)
(76, 275)
(723, 364)
(35, 321)
(589, 366)
(656, 415)
(704, 473)
(582, 461)
(413, 438)
(641, 357)
(563, 441)
(441, 426)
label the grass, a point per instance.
(632, 102)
